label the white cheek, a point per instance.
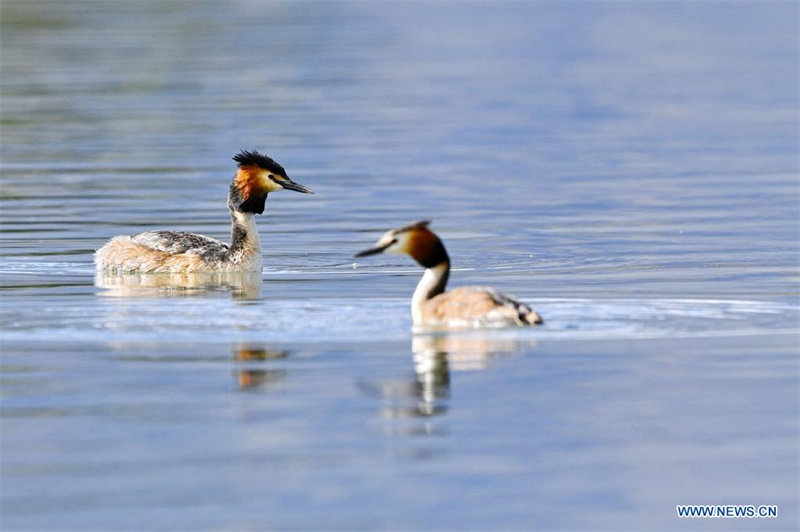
(394, 249)
(268, 184)
(272, 186)
(400, 246)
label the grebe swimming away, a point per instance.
(171, 251)
(431, 306)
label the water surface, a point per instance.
(629, 169)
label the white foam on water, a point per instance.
(338, 319)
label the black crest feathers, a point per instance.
(253, 158)
(423, 224)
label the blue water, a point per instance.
(629, 169)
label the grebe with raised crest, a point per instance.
(174, 252)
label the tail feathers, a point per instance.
(530, 317)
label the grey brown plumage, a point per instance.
(431, 305)
(172, 251)
(477, 306)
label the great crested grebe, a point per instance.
(431, 306)
(174, 252)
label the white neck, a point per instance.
(432, 284)
(248, 250)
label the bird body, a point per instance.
(474, 306)
(173, 251)
(464, 307)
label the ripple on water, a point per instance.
(227, 313)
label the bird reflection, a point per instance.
(427, 394)
(463, 352)
(249, 378)
(241, 285)
(420, 397)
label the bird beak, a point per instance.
(372, 251)
(297, 187)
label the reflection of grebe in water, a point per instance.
(435, 358)
(462, 352)
(172, 251)
(241, 285)
(250, 378)
(464, 307)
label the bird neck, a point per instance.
(433, 283)
(245, 244)
(246, 200)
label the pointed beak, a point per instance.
(375, 250)
(297, 187)
(368, 252)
